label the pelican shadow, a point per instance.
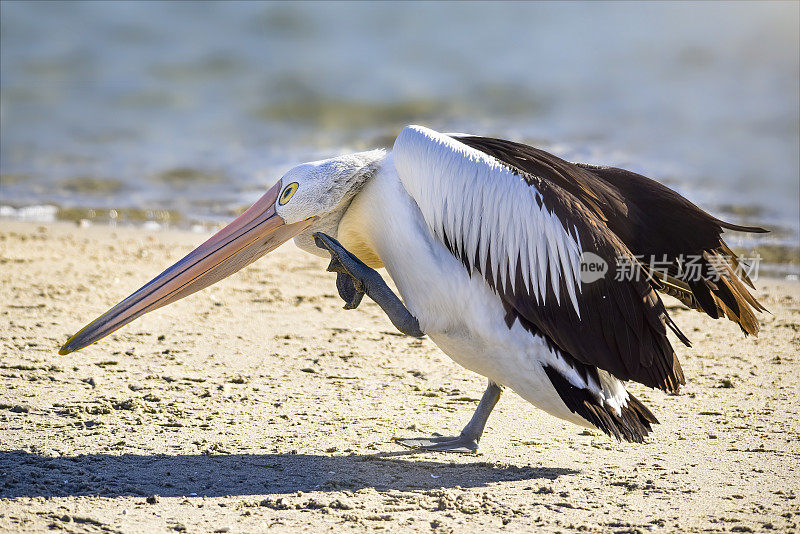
(31, 475)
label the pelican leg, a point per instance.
(467, 441)
(354, 279)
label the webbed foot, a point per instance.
(354, 279)
(459, 444)
(349, 270)
(467, 441)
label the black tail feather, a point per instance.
(632, 423)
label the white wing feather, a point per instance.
(485, 209)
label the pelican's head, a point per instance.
(307, 194)
(320, 188)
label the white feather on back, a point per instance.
(484, 208)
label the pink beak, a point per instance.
(256, 232)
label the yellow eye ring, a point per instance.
(287, 193)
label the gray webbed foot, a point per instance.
(467, 441)
(460, 444)
(347, 268)
(354, 279)
(346, 286)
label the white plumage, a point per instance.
(483, 207)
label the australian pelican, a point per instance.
(484, 239)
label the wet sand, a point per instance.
(260, 404)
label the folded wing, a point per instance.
(526, 236)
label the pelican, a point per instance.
(486, 241)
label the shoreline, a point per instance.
(260, 403)
(777, 251)
(779, 261)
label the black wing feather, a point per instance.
(658, 222)
(602, 336)
(651, 221)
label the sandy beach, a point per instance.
(260, 404)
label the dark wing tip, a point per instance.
(632, 423)
(740, 228)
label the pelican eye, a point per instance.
(287, 193)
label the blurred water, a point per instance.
(194, 109)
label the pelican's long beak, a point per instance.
(256, 232)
